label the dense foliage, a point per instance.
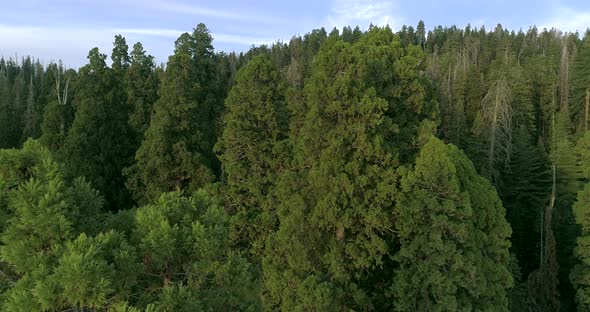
(347, 170)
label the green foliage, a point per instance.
(580, 85)
(186, 250)
(255, 123)
(44, 213)
(22, 99)
(525, 189)
(332, 182)
(334, 201)
(563, 155)
(59, 112)
(142, 89)
(580, 274)
(453, 236)
(177, 152)
(90, 273)
(54, 253)
(98, 143)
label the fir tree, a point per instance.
(525, 188)
(177, 152)
(186, 248)
(142, 89)
(45, 213)
(58, 114)
(98, 143)
(580, 86)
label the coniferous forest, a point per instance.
(345, 170)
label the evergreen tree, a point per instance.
(335, 200)
(186, 250)
(453, 236)
(567, 184)
(311, 146)
(580, 85)
(255, 123)
(525, 188)
(9, 117)
(177, 152)
(98, 144)
(580, 275)
(45, 212)
(142, 89)
(5, 111)
(58, 114)
(32, 116)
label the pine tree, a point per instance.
(185, 245)
(45, 213)
(91, 273)
(16, 167)
(453, 236)
(177, 152)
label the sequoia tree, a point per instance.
(177, 151)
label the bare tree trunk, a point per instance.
(62, 98)
(564, 75)
(340, 232)
(497, 114)
(549, 212)
(494, 123)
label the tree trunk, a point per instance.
(493, 130)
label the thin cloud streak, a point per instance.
(190, 9)
(52, 44)
(361, 12)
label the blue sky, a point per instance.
(68, 29)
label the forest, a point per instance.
(344, 170)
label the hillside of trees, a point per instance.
(344, 170)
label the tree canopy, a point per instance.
(442, 169)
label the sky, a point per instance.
(66, 30)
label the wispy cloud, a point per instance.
(203, 11)
(168, 33)
(52, 43)
(361, 12)
(568, 19)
